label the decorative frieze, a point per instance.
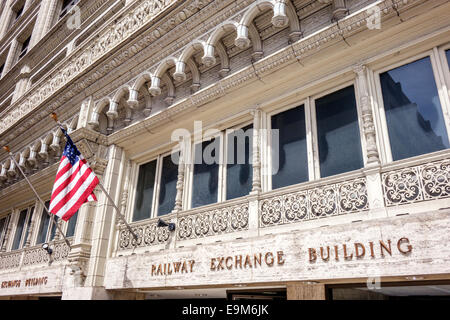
(37, 255)
(213, 222)
(418, 183)
(320, 202)
(148, 235)
(10, 260)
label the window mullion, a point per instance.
(437, 64)
(310, 140)
(315, 143)
(156, 187)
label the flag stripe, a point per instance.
(60, 196)
(74, 183)
(73, 189)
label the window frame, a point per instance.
(315, 142)
(189, 187)
(223, 166)
(380, 109)
(24, 235)
(49, 227)
(134, 179)
(5, 229)
(309, 145)
(309, 103)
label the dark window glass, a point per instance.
(168, 185)
(72, 225)
(144, 191)
(19, 12)
(447, 53)
(66, 6)
(206, 173)
(338, 133)
(2, 230)
(19, 229)
(239, 166)
(25, 47)
(290, 159)
(53, 231)
(43, 227)
(413, 111)
(27, 233)
(1, 69)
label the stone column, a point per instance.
(306, 291)
(43, 21)
(11, 58)
(5, 18)
(256, 160)
(367, 117)
(7, 233)
(180, 183)
(21, 83)
(104, 219)
(372, 169)
(85, 110)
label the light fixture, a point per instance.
(162, 223)
(47, 248)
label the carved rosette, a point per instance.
(336, 199)
(213, 222)
(425, 182)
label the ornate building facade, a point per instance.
(344, 186)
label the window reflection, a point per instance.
(289, 160)
(413, 110)
(338, 133)
(144, 191)
(239, 167)
(168, 185)
(206, 173)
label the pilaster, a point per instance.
(104, 219)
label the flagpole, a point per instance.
(55, 117)
(6, 148)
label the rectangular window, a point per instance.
(66, 6)
(413, 111)
(144, 191)
(447, 53)
(53, 231)
(43, 227)
(2, 67)
(239, 162)
(30, 216)
(19, 235)
(206, 173)
(19, 12)
(71, 225)
(338, 133)
(25, 45)
(168, 184)
(290, 159)
(3, 227)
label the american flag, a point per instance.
(74, 184)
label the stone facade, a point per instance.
(124, 75)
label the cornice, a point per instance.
(292, 54)
(96, 48)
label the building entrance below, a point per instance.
(392, 291)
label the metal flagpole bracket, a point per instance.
(52, 216)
